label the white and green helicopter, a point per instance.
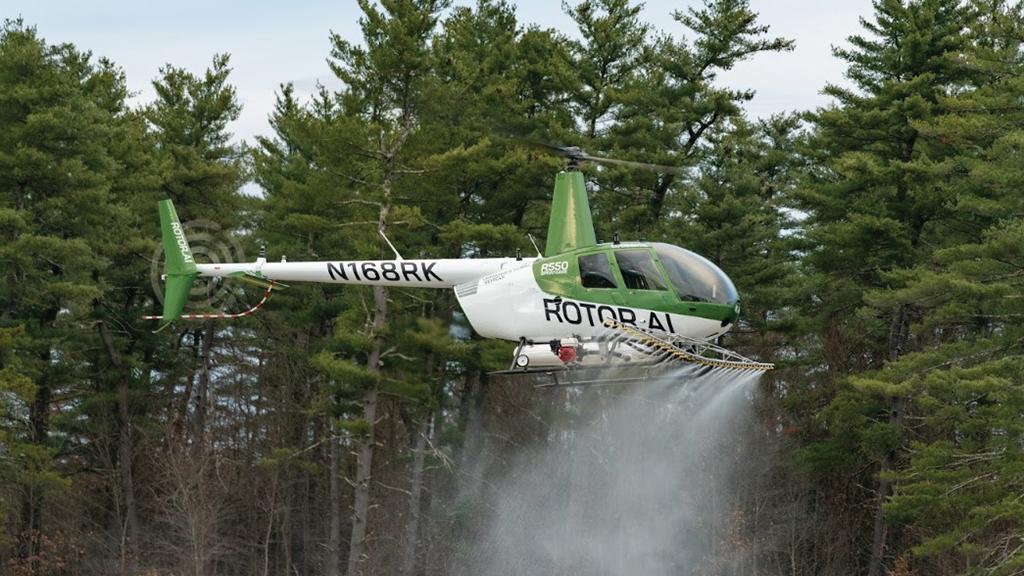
(582, 304)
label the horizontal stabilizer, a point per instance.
(257, 280)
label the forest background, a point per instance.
(877, 243)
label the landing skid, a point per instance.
(587, 377)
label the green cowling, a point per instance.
(179, 265)
(571, 225)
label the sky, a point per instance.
(273, 42)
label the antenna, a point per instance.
(262, 258)
(390, 245)
(534, 242)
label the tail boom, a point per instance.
(181, 270)
(444, 273)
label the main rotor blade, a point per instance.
(641, 165)
(566, 151)
(575, 152)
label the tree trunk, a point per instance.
(361, 505)
(202, 392)
(125, 457)
(334, 503)
(658, 198)
(202, 517)
(898, 335)
(412, 526)
(364, 465)
(297, 481)
(439, 489)
(298, 496)
(39, 420)
(32, 506)
(268, 532)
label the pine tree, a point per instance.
(385, 86)
(606, 58)
(58, 110)
(958, 490)
(874, 206)
(736, 215)
(672, 104)
(965, 384)
(202, 172)
(295, 220)
(128, 349)
(495, 79)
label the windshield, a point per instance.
(694, 277)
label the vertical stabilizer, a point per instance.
(571, 225)
(179, 265)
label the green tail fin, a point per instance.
(571, 225)
(179, 265)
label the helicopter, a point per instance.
(580, 304)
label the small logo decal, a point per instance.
(549, 268)
(179, 239)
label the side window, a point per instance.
(596, 272)
(638, 270)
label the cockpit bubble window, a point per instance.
(638, 270)
(596, 272)
(694, 277)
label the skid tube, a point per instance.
(596, 376)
